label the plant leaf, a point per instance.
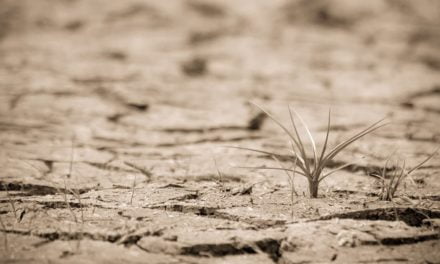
(423, 162)
(309, 135)
(290, 178)
(398, 180)
(299, 142)
(324, 147)
(335, 170)
(267, 153)
(303, 165)
(271, 168)
(347, 142)
(256, 150)
(276, 121)
(300, 146)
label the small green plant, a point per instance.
(390, 184)
(310, 167)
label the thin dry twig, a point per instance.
(66, 190)
(133, 187)
(146, 172)
(219, 174)
(291, 179)
(5, 235)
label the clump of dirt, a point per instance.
(11, 17)
(194, 67)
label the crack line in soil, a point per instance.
(210, 140)
(213, 212)
(411, 216)
(120, 238)
(201, 129)
(269, 246)
(35, 189)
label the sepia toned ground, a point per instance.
(117, 118)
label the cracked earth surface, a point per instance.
(116, 120)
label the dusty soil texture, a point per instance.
(117, 117)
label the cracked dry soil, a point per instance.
(116, 117)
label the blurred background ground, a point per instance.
(165, 85)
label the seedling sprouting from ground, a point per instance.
(389, 185)
(313, 167)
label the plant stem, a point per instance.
(313, 188)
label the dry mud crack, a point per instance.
(119, 122)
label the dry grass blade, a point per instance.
(5, 235)
(423, 162)
(389, 187)
(219, 174)
(303, 163)
(78, 197)
(133, 187)
(146, 172)
(299, 143)
(300, 146)
(68, 204)
(324, 147)
(281, 166)
(271, 154)
(398, 180)
(256, 150)
(65, 183)
(276, 121)
(289, 177)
